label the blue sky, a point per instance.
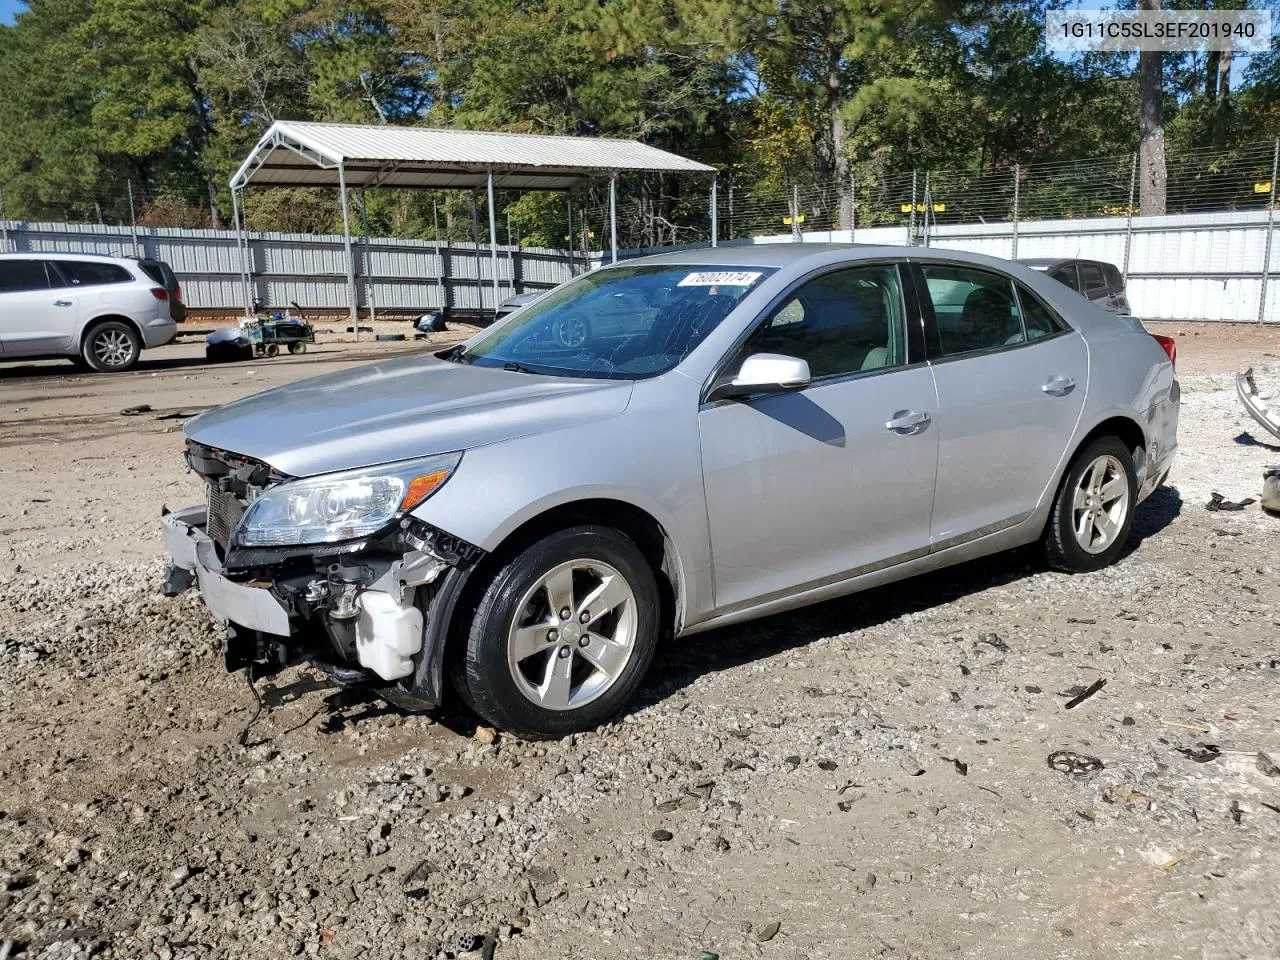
(8, 8)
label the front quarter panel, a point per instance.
(646, 456)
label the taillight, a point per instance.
(160, 293)
(177, 293)
(1169, 346)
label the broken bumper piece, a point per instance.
(1247, 390)
(377, 613)
(252, 607)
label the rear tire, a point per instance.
(1093, 512)
(111, 346)
(531, 670)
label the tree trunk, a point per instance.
(1211, 75)
(1154, 177)
(214, 220)
(1224, 76)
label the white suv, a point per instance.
(99, 311)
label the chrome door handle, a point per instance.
(907, 422)
(1058, 386)
(63, 303)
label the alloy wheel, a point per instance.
(573, 636)
(112, 347)
(1100, 505)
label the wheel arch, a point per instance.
(107, 318)
(635, 522)
(638, 524)
(1123, 426)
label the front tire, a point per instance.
(1093, 511)
(111, 347)
(563, 636)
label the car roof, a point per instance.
(1046, 263)
(65, 255)
(804, 256)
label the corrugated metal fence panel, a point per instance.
(1202, 266)
(312, 269)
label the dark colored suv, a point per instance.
(1097, 281)
(161, 273)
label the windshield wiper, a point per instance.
(453, 354)
(517, 367)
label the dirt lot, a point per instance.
(866, 778)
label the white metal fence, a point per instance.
(392, 275)
(1200, 266)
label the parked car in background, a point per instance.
(99, 311)
(512, 304)
(161, 273)
(1096, 281)
(528, 512)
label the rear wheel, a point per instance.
(563, 635)
(1093, 512)
(111, 346)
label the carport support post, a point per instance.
(714, 213)
(241, 245)
(573, 266)
(1271, 216)
(493, 246)
(346, 243)
(613, 218)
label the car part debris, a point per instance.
(993, 640)
(768, 931)
(1075, 764)
(1202, 753)
(1247, 390)
(176, 579)
(1219, 503)
(468, 942)
(1266, 766)
(135, 410)
(243, 738)
(1085, 694)
(1237, 811)
(1271, 489)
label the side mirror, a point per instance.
(764, 373)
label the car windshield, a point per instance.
(619, 323)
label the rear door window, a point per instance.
(1092, 281)
(1114, 280)
(17, 276)
(974, 310)
(1039, 320)
(154, 270)
(1067, 274)
(85, 273)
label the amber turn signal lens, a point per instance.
(422, 487)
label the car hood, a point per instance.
(410, 407)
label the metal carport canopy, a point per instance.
(346, 155)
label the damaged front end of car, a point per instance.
(333, 569)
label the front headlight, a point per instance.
(341, 506)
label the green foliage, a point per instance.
(165, 97)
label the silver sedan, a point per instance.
(663, 447)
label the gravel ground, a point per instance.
(868, 777)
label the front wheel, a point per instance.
(1093, 512)
(563, 635)
(111, 346)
